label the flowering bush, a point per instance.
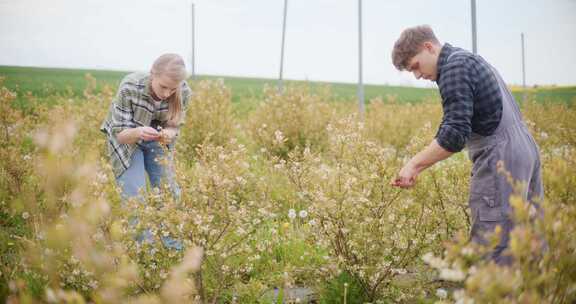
(383, 116)
(371, 230)
(209, 119)
(295, 118)
(299, 197)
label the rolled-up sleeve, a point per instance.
(456, 88)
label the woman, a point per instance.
(146, 113)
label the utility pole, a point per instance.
(360, 83)
(474, 42)
(280, 85)
(193, 59)
(523, 68)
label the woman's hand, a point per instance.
(167, 135)
(148, 133)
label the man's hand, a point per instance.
(432, 154)
(406, 177)
(148, 133)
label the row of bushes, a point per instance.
(295, 193)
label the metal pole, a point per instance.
(474, 42)
(360, 84)
(193, 59)
(280, 87)
(523, 68)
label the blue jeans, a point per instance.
(147, 160)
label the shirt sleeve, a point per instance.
(458, 106)
(122, 113)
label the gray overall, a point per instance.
(490, 191)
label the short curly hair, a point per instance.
(410, 43)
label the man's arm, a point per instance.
(456, 88)
(432, 154)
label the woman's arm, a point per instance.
(133, 135)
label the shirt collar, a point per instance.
(446, 50)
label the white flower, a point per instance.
(433, 261)
(427, 257)
(441, 293)
(303, 213)
(292, 214)
(399, 271)
(461, 298)
(278, 138)
(557, 225)
(51, 296)
(102, 177)
(467, 251)
(312, 222)
(98, 236)
(452, 275)
(25, 215)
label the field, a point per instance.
(47, 81)
(43, 82)
(286, 198)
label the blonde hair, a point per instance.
(172, 66)
(410, 43)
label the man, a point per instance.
(481, 114)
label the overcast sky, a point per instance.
(242, 37)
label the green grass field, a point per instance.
(43, 82)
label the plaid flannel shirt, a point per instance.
(471, 97)
(134, 107)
